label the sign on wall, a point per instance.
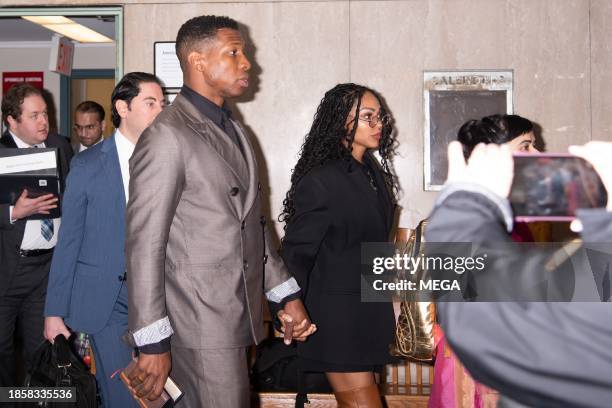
(13, 78)
(451, 98)
(62, 55)
(166, 66)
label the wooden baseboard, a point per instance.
(287, 400)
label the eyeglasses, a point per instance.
(374, 120)
(89, 128)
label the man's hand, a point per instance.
(599, 154)
(54, 325)
(149, 376)
(295, 322)
(24, 207)
(490, 166)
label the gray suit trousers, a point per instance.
(211, 378)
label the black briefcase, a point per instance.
(55, 365)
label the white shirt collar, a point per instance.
(23, 145)
(83, 147)
(125, 148)
(123, 144)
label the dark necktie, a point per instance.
(228, 127)
(46, 227)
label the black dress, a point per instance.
(337, 207)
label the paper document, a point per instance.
(28, 162)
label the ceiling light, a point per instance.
(68, 28)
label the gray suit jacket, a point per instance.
(542, 354)
(196, 238)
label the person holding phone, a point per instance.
(453, 386)
(539, 354)
(341, 196)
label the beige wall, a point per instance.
(558, 49)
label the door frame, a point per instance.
(65, 93)
(117, 73)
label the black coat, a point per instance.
(11, 235)
(336, 210)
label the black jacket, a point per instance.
(11, 235)
(336, 210)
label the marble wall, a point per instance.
(558, 50)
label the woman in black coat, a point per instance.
(342, 196)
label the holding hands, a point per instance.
(295, 322)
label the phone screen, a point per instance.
(552, 187)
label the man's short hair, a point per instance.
(127, 89)
(91, 107)
(198, 29)
(12, 101)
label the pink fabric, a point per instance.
(443, 387)
(453, 387)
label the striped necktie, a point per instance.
(46, 227)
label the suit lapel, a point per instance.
(251, 163)
(216, 138)
(386, 192)
(7, 140)
(367, 193)
(225, 148)
(243, 167)
(112, 170)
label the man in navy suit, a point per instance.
(87, 285)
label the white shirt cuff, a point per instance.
(11, 220)
(278, 293)
(154, 333)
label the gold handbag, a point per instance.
(414, 333)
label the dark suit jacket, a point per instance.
(89, 260)
(542, 354)
(11, 235)
(335, 211)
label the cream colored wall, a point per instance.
(558, 49)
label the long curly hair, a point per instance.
(328, 138)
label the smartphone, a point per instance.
(551, 187)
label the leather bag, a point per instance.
(414, 333)
(55, 365)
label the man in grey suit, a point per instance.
(542, 354)
(197, 242)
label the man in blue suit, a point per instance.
(87, 288)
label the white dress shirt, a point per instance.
(83, 147)
(32, 237)
(125, 148)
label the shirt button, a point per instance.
(234, 191)
(245, 264)
(265, 259)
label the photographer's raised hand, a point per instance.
(598, 154)
(490, 166)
